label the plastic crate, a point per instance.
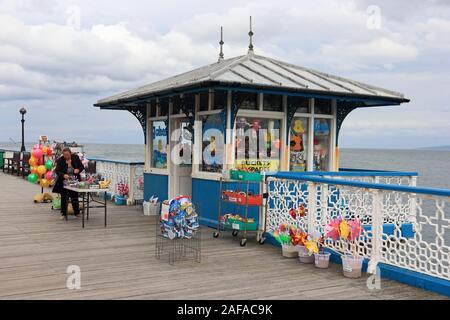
(245, 176)
(240, 225)
(253, 200)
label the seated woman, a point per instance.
(68, 165)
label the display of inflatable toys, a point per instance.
(182, 220)
(43, 198)
(104, 184)
(321, 127)
(298, 127)
(296, 143)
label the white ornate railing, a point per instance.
(404, 226)
(131, 173)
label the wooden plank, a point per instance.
(118, 262)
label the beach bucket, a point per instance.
(304, 256)
(351, 266)
(322, 260)
(120, 201)
(289, 251)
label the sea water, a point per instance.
(433, 166)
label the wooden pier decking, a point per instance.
(118, 262)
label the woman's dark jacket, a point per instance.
(61, 170)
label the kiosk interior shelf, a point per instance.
(246, 197)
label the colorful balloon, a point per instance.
(49, 175)
(33, 178)
(32, 162)
(49, 151)
(49, 164)
(44, 150)
(44, 183)
(42, 170)
(34, 169)
(37, 153)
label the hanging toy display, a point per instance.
(181, 220)
(41, 165)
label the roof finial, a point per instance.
(250, 34)
(221, 55)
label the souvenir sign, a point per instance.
(257, 165)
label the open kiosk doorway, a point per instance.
(180, 166)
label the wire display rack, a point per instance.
(177, 249)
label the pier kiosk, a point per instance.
(202, 122)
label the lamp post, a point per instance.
(22, 112)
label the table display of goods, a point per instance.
(347, 232)
(90, 181)
(179, 218)
(241, 198)
(236, 222)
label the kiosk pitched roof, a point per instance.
(262, 72)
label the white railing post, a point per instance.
(312, 207)
(132, 182)
(114, 179)
(324, 204)
(377, 230)
(412, 202)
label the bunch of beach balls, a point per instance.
(41, 166)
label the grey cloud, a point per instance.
(57, 70)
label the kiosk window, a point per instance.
(247, 100)
(273, 102)
(163, 107)
(204, 101)
(257, 144)
(159, 145)
(322, 106)
(321, 144)
(212, 143)
(220, 98)
(301, 104)
(298, 144)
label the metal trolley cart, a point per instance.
(242, 198)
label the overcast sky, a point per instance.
(58, 58)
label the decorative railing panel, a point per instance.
(130, 173)
(404, 226)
